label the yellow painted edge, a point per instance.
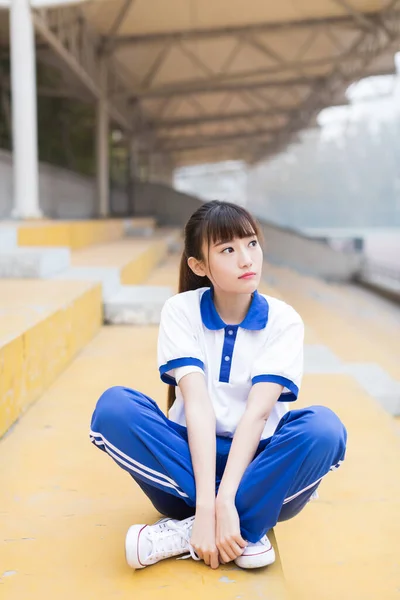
(138, 270)
(54, 234)
(30, 362)
(74, 234)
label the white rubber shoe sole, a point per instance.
(257, 559)
(132, 546)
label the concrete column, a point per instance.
(24, 112)
(134, 156)
(102, 147)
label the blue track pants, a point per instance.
(286, 469)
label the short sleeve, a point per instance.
(178, 350)
(281, 360)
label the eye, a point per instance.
(225, 249)
(255, 242)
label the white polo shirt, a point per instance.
(266, 346)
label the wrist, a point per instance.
(225, 497)
(205, 506)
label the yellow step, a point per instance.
(347, 544)
(75, 234)
(352, 336)
(135, 258)
(65, 516)
(43, 325)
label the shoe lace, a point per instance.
(172, 538)
(263, 541)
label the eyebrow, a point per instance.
(230, 241)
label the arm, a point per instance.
(260, 403)
(200, 421)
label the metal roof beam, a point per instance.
(223, 117)
(199, 141)
(363, 21)
(210, 144)
(370, 46)
(220, 80)
(215, 118)
(107, 43)
(197, 34)
(216, 87)
(156, 66)
(69, 36)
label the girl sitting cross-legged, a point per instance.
(231, 459)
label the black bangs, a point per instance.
(226, 222)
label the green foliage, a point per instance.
(66, 134)
(66, 127)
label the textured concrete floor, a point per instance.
(65, 506)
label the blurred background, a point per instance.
(291, 110)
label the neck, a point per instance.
(232, 308)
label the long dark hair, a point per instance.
(213, 222)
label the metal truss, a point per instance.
(372, 36)
(222, 117)
(252, 29)
(93, 60)
(202, 141)
(370, 46)
(68, 34)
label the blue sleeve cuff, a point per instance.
(175, 364)
(287, 383)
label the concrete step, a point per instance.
(8, 239)
(136, 305)
(121, 268)
(76, 234)
(350, 537)
(352, 366)
(43, 325)
(360, 334)
(166, 272)
(134, 258)
(108, 277)
(140, 227)
(33, 262)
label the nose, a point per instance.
(245, 258)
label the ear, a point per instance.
(196, 266)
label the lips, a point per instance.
(247, 275)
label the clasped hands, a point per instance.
(216, 534)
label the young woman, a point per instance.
(231, 459)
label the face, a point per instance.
(229, 262)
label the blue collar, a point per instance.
(256, 318)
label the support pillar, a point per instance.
(24, 112)
(102, 147)
(134, 172)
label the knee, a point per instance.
(112, 407)
(323, 427)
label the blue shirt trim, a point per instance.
(256, 318)
(227, 352)
(175, 364)
(288, 397)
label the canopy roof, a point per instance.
(213, 80)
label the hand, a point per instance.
(203, 537)
(229, 541)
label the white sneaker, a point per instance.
(147, 544)
(258, 554)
